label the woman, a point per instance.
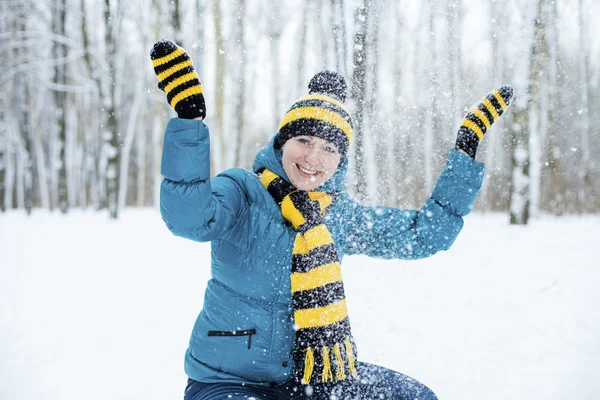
(274, 323)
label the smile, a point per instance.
(307, 172)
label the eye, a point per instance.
(330, 149)
(303, 140)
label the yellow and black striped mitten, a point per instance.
(480, 117)
(177, 78)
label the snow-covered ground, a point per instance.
(96, 309)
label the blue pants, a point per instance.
(373, 382)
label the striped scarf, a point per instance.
(324, 345)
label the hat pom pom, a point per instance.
(329, 83)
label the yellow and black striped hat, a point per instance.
(322, 113)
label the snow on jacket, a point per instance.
(244, 333)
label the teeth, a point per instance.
(307, 171)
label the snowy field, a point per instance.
(97, 309)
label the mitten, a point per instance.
(480, 117)
(177, 78)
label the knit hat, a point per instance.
(322, 113)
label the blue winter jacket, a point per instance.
(244, 332)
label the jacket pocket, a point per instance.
(247, 332)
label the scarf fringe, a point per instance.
(341, 374)
(350, 356)
(326, 376)
(309, 365)
(340, 363)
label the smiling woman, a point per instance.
(309, 161)
(275, 323)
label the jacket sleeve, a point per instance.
(412, 234)
(191, 204)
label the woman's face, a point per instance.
(309, 161)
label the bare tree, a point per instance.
(274, 30)
(524, 122)
(338, 25)
(218, 158)
(111, 146)
(494, 190)
(176, 21)
(60, 101)
(322, 33)
(374, 132)
(397, 146)
(453, 18)
(584, 174)
(4, 12)
(157, 120)
(199, 58)
(359, 86)
(432, 116)
(552, 185)
(3, 150)
(17, 162)
(90, 118)
(240, 97)
(303, 43)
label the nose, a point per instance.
(312, 155)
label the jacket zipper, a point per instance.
(247, 332)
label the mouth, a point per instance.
(307, 173)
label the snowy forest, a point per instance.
(81, 118)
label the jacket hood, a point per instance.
(270, 158)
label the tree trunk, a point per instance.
(432, 117)
(142, 164)
(274, 32)
(157, 144)
(519, 195)
(302, 52)
(2, 174)
(20, 116)
(3, 149)
(9, 170)
(112, 148)
(584, 167)
(132, 129)
(219, 162)
(524, 121)
(29, 154)
(241, 82)
(415, 158)
(454, 17)
(4, 54)
(538, 104)
(176, 22)
(397, 148)
(321, 32)
(552, 196)
(338, 25)
(359, 87)
(91, 114)
(60, 103)
(375, 135)
(493, 191)
(20, 160)
(199, 58)
(3, 159)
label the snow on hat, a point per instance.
(322, 113)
